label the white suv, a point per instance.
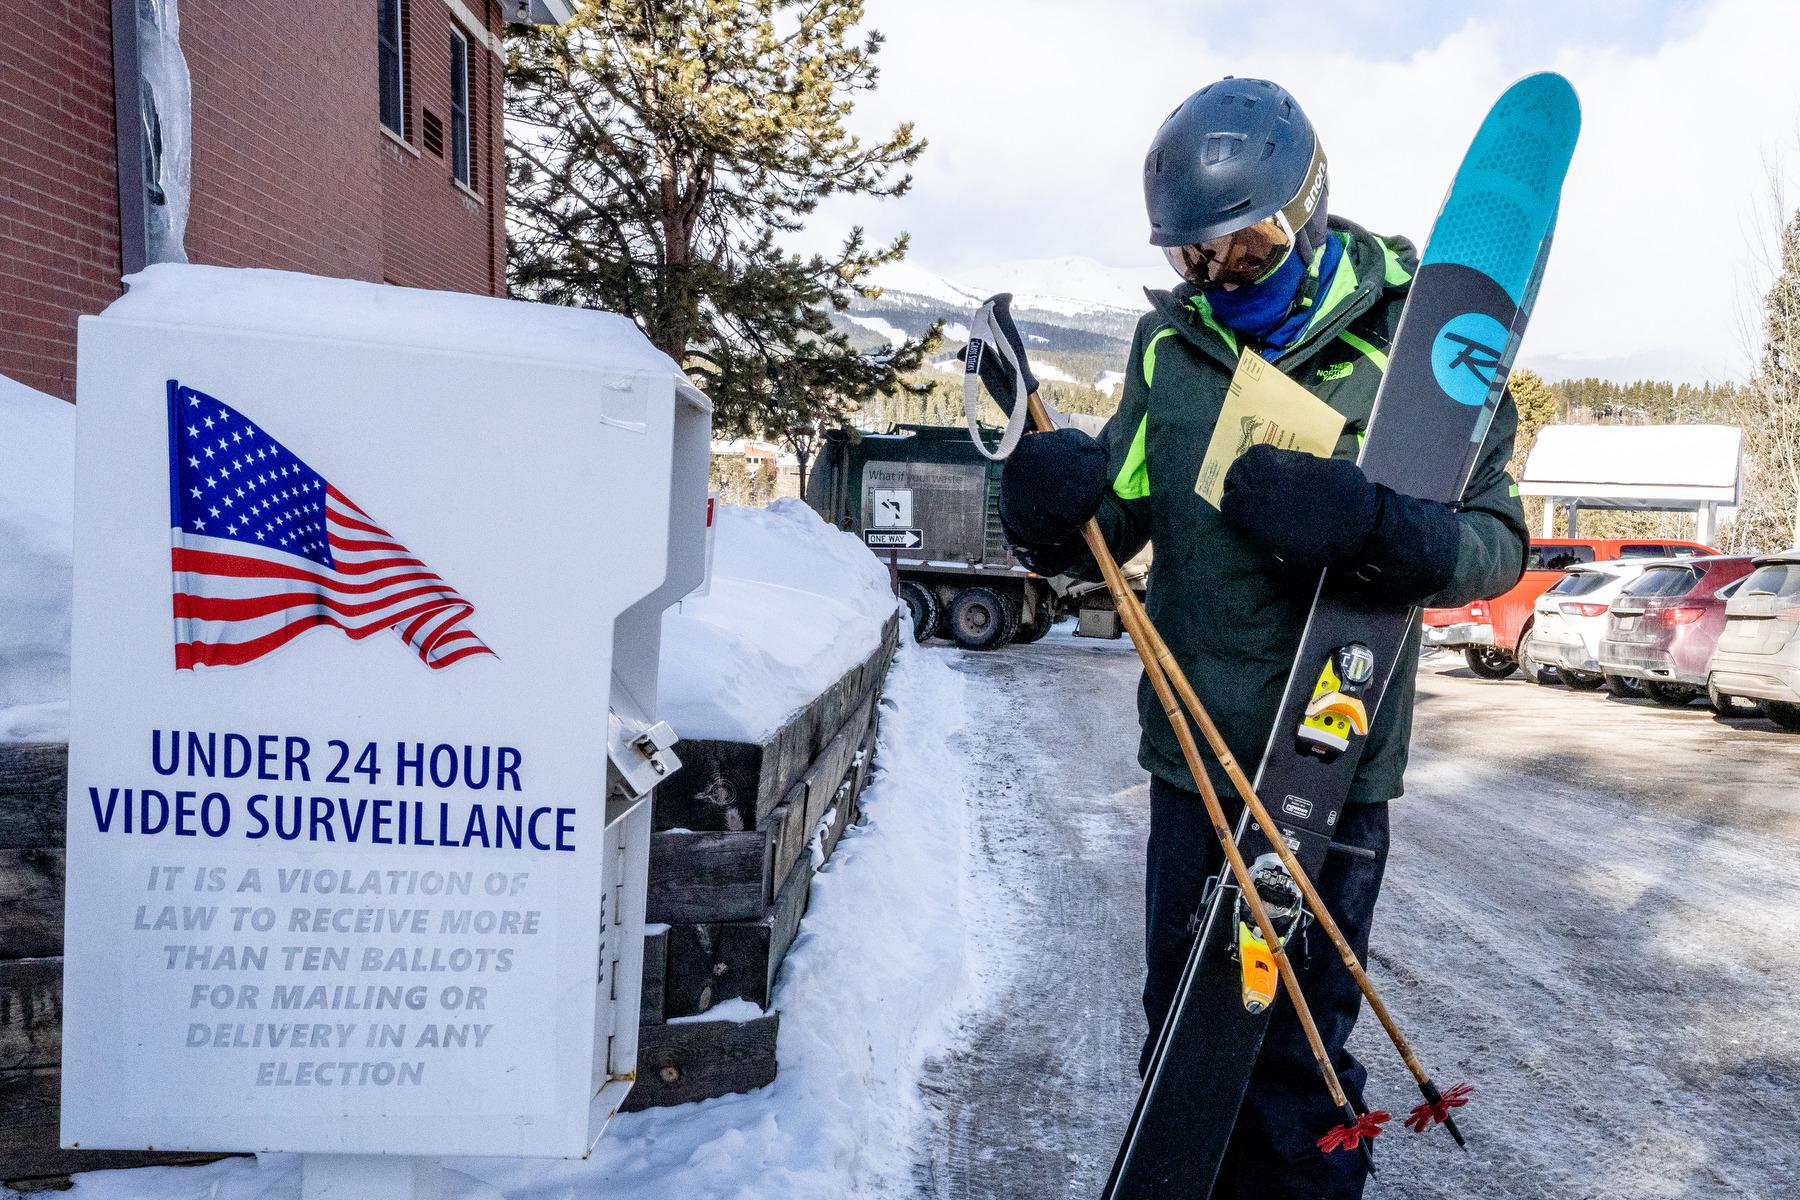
(1568, 621)
(1758, 656)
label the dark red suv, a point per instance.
(1665, 624)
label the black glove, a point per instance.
(1314, 513)
(1049, 488)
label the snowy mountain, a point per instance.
(1074, 306)
(1077, 315)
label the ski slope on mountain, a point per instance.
(1067, 286)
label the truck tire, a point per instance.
(1783, 714)
(1490, 662)
(1012, 620)
(1025, 633)
(927, 613)
(1671, 695)
(977, 619)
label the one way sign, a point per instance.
(893, 539)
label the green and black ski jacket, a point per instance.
(1231, 614)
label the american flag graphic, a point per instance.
(265, 549)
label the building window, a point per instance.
(459, 107)
(391, 40)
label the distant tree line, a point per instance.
(1643, 402)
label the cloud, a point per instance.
(1038, 112)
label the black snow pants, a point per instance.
(1272, 1155)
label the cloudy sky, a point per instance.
(1038, 113)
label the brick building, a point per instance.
(357, 138)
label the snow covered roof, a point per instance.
(285, 302)
(1674, 465)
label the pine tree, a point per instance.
(657, 156)
(1768, 409)
(1537, 405)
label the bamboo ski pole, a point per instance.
(1152, 648)
(1356, 1125)
(1436, 1106)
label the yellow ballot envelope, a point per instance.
(1263, 405)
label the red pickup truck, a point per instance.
(1488, 632)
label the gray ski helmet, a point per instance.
(1235, 152)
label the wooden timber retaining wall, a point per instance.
(741, 830)
(33, 802)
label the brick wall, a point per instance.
(59, 204)
(285, 172)
(429, 221)
(291, 168)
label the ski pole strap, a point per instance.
(991, 357)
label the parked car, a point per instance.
(1488, 632)
(1758, 656)
(1561, 642)
(1663, 626)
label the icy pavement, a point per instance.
(1591, 914)
(1035, 1096)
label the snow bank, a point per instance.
(794, 604)
(37, 497)
(867, 994)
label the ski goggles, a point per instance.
(1235, 259)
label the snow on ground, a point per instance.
(867, 994)
(37, 498)
(1108, 381)
(794, 604)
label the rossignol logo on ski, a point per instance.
(1465, 357)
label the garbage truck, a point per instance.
(930, 485)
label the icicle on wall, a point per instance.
(166, 109)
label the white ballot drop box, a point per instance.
(368, 588)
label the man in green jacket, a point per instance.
(1236, 188)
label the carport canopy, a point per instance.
(1653, 468)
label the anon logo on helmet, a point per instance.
(1311, 200)
(1465, 357)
